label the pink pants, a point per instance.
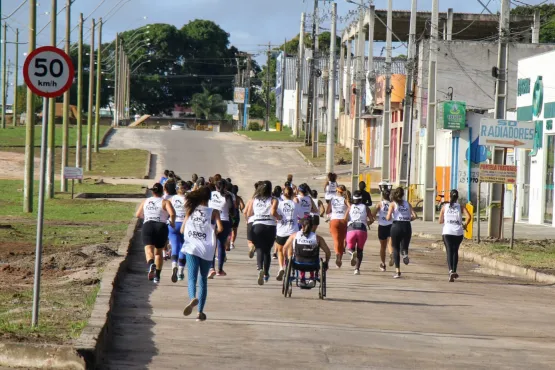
(356, 240)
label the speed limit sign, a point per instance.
(48, 72)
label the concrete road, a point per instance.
(369, 321)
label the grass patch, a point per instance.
(284, 136)
(340, 153)
(15, 136)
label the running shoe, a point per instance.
(221, 273)
(357, 272)
(261, 277)
(397, 275)
(353, 260)
(274, 256)
(391, 262)
(201, 316)
(280, 275)
(174, 275)
(156, 280)
(303, 284)
(382, 267)
(406, 258)
(312, 283)
(151, 271)
(266, 278)
(211, 274)
(180, 277)
(451, 278)
(338, 262)
(232, 246)
(455, 275)
(189, 308)
(251, 252)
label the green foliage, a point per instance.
(547, 14)
(21, 103)
(254, 126)
(208, 106)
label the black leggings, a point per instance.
(452, 244)
(401, 233)
(263, 237)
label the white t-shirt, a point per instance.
(453, 220)
(178, 203)
(221, 203)
(154, 211)
(199, 234)
(290, 213)
(382, 213)
(263, 212)
(331, 190)
(401, 212)
(338, 208)
(305, 203)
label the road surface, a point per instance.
(369, 321)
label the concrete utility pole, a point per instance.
(359, 74)
(30, 118)
(98, 88)
(409, 94)
(497, 191)
(51, 152)
(330, 144)
(283, 81)
(79, 144)
(91, 103)
(311, 73)
(65, 122)
(349, 76)
(387, 104)
(4, 74)
(116, 81)
(299, 82)
(266, 125)
(316, 57)
(536, 27)
(16, 77)
(341, 76)
(248, 92)
(430, 158)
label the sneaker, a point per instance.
(211, 274)
(353, 260)
(232, 246)
(156, 280)
(406, 259)
(455, 275)
(180, 277)
(266, 278)
(221, 273)
(451, 278)
(312, 283)
(280, 275)
(151, 271)
(261, 277)
(251, 252)
(382, 267)
(397, 275)
(174, 275)
(303, 284)
(357, 272)
(391, 262)
(274, 256)
(201, 316)
(189, 308)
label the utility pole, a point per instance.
(247, 90)
(128, 97)
(16, 77)
(430, 159)
(387, 104)
(116, 81)
(268, 87)
(79, 144)
(349, 76)
(282, 83)
(316, 57)
(51, 151)
(4, 74)
(495, 219)
(358, 102)
(30, 118)
(299, 82)
(311, 73)
(409, 94)
(65, 121)
(91, 103)
(330, 145)
(98, 90)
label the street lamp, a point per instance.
(139, 66)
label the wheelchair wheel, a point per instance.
(287, 283)
(322, 293)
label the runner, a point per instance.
(194, 178)
(169, 192)
(366, 198)
(199, 246)
(318, 203)
(330, 188)
(175, 235)
(264, 209)
(453, 231)
(250, 220)
(237, 218)
(232, 213)
(155, 211)
(222, 201)
(337, 209)
(384, 226)
(277, 193)
(305, 201)
(289, 212)
(164, 177)
(290, 181)
(357, 229)
(401, 212)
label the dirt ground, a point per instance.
(12, 165)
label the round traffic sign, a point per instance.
(48, 72)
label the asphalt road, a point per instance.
(369, 321)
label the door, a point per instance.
(549, 185)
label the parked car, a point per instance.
(178, 126)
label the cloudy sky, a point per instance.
(251, 23)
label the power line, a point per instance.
(16, 10)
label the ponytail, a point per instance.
(306, 224)
(453, 197)
(196, 198)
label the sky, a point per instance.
(252, 24)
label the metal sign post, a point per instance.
(73, 173)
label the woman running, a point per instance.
(277, 193)
(384, 227)
(222, 201)
(401, 212)
(199, 246)
(337, 210)
(164, 177)
(237, 219)
(156, 212)
(357, 229)
(330, 188)
(305, 201)
(289, 212)
(175, 235)
(264, 209)
(250, 220)
(169, 192)
(453, 231)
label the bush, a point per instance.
(254, 126)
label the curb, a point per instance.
(39, 357)
(308, 161)
(148, 164)
(521, 272)
(105, 137)
(243, 136)
(97, 335)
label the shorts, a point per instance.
(281, 240)
(249, 231)
(235, 222)
(384, 232)
(155, 233)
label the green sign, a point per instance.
(451, 115)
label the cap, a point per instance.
(357, 197)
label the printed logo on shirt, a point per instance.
(196, 235)
(356, 213)
(151, 206)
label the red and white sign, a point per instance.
(497, 173)
(48, 72)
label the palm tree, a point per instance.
(208, 106)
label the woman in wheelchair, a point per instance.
(304, 246)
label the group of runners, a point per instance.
(200, 219)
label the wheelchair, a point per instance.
(292, 271)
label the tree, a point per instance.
(547, 14)
(208, 106)
(21, 103)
